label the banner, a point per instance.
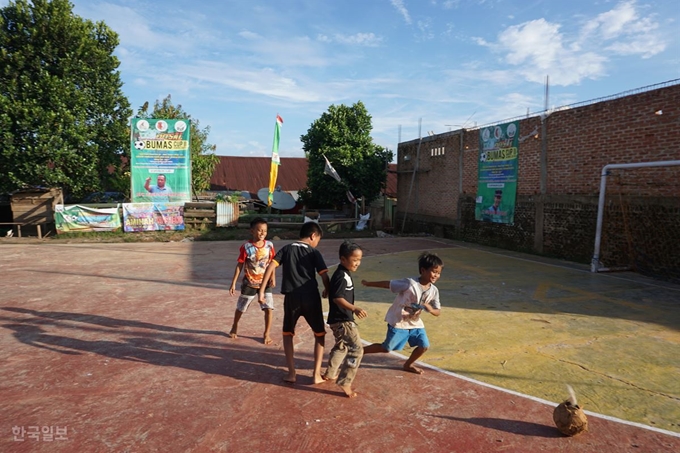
(161, 160)
(497, 173)
(276, 161)
(330, 171)
(76, 218)
(153, 217)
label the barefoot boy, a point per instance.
(254, 257)
(345, 357)
(301, 262)
(403, 318)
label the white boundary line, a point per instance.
(533, 398)
(522, 395)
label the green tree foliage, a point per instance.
(63, 116)
(343, 135)
(203, 158)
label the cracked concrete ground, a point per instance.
(533, 326)
(126, 345)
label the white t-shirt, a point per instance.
(410, 293)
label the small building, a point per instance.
(33, 210)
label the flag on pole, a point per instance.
(330, 171)
(276, 161)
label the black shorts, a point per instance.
(307, 305)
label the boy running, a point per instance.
(301, 262)
(254, 256)
(345, 357)
(403, 318)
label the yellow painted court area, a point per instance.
(533, 325)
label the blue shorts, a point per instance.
(397, 338)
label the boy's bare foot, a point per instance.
(328, 378)
(267, 340)
(348, 391)
(290, 378)
(413, 369)
(232, 334)
(318, 379)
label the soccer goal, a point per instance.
(638, 219)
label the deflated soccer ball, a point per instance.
(569, 417)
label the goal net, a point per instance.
(641, 222)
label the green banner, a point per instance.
(76, 218)
(497, 173)
(153, 217)
(161, 161)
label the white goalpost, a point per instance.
(595, 265)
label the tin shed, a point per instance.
(33, 209)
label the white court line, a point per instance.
(522, 395)
(533, 398)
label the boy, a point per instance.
(301, 262)
(254, 256)
(346, 355)
(403, 318)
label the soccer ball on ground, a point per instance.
(569, 417)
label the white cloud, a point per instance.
(360, 39)
(137, 31)
(633, 35)
(611, 23)
(399, 5)
(425, 29)
(265, 82)
(538, 48)
(249, 35)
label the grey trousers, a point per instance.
(345, 357)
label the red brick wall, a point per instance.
(580, 141)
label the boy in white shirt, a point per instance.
(414, 295)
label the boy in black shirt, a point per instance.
(345, 357)
(301, 262)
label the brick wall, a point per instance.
(642, 213)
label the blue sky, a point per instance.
(235, 64)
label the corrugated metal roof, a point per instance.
(240, 173)
(252, 173)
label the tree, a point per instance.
(63, 116)
(343, 135)
(203, 158)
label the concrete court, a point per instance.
(124, 345)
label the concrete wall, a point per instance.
(558, 183)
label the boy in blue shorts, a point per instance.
(414, 295)
(301, 263)
(253, 258)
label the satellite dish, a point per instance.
(282, 200)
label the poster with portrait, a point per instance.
(497, 173)
(161, 160)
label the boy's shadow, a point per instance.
(181, 348)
